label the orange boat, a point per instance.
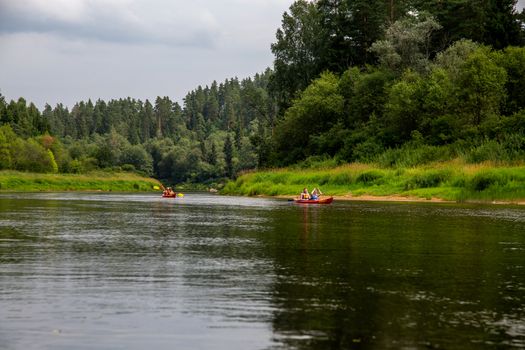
(171, 194)
(326, 200)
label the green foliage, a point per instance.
(54, 165)
(482, 181)
(365, 93)
(512, 59)
(25, 120)
(326, 35)
(481, 87)
(370, 177)
(411, 155)
(491, 22)
(402, 109)
(319, 107)
(365, 151)
(75, 167)
(489, 150)
(300, 43)
(407, 43)
(317, 162)
(428, 179)
(31, 156)
(138, 158)
(453, 58)
(360, 20)
(7, 142)
(109, 149)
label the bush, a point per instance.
(487, 151)
(428, 180)
(514, 145)
(137, 157)
(366, 151)
(482, 181)
(75, 166)
(31, 156)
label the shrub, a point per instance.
(484, 180)
(31, 156)
(427, 180)
(487, 151)
(366, 151)
(74, 166)
(514, 145)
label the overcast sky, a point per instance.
(70, 50)
(55, 51)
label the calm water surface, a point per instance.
(128, 271)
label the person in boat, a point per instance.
(305, 194)
(316, 193)
(169, 192)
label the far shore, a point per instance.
(16, 181)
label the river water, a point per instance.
(128, 271)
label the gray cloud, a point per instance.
(128, 21)
(65, 51)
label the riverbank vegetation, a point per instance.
(451, 180)
(394, 86)
(12, 181)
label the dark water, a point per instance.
(111, 271)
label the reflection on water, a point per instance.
(111, 271)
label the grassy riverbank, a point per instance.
(453, 180)
(95, 181)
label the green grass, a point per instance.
(95, 181)
(453, 180)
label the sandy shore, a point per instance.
(377, 198)
(394, 198)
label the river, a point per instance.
(136, 271)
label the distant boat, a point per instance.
(173, 195)
(326, 200)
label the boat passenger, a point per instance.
(305, 194)
(316, 193)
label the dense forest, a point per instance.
(378, 81)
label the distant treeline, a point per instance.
(214, 134)
(379, 81)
